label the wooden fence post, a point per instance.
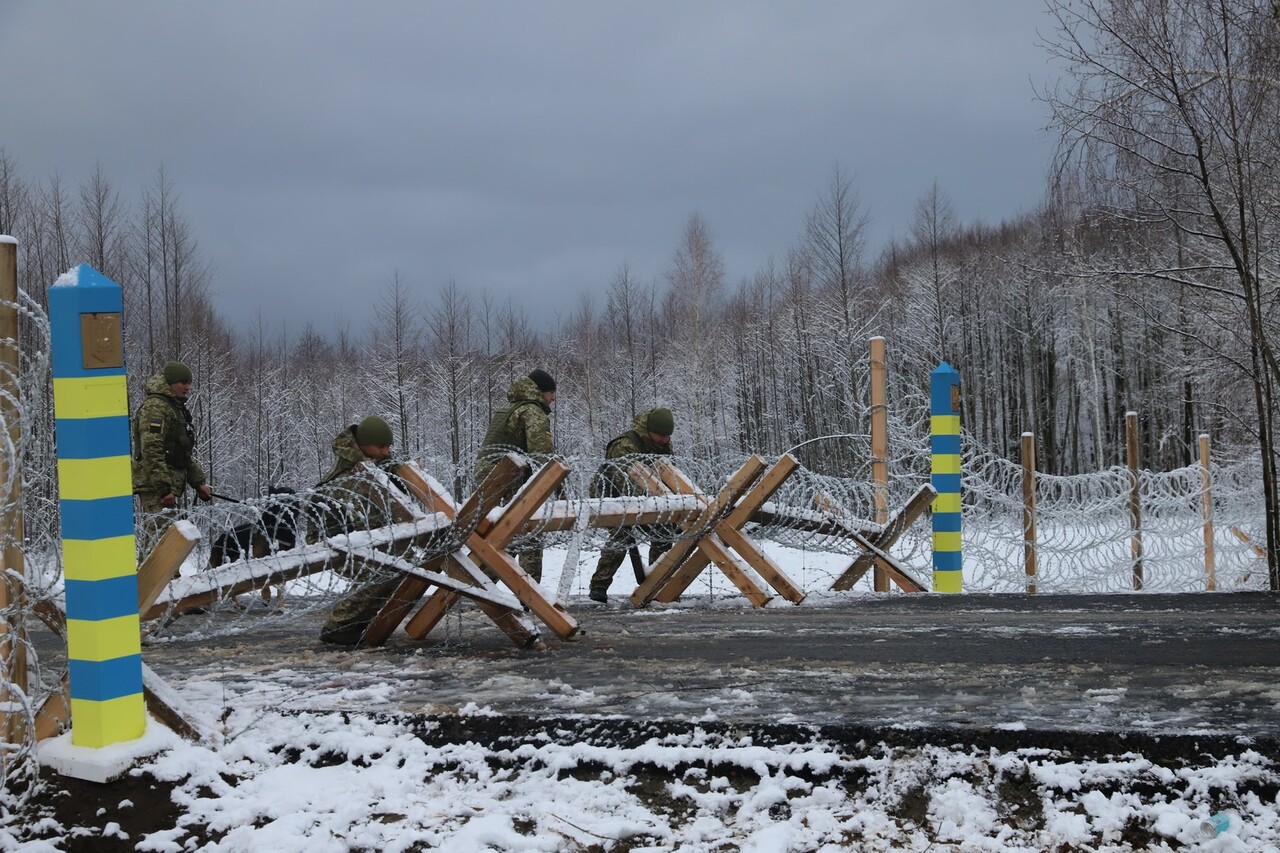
(879, 449)
(1029, 557)
(1135, 495)
(13, 650)
(1206, 511)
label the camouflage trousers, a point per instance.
(615, 549)
(152, 518)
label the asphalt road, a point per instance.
(1155, 665)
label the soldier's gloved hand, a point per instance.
(169, 500)
(204, 492)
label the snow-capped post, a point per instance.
(1132, 455)
(95, 489)
(944, 406)
(1206, 512)
(1029, 558)
(13, 655)
(879, 449)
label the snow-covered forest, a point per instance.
(1145, 282)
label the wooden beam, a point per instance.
(526, 589)
(883, 540)
(162, 564)
(527, 501)
(473, 513)
(737, 484)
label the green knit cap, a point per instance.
(175, 372)
(662, 422)
(373, 430)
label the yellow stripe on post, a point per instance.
(104, 639)
(944, 424)
(99, 559)
(98, 724)
(90, 397)
(90, 479)
(946, 463)
(949, 502)
(946, 541)
(948, 582)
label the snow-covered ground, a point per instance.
(285, 773)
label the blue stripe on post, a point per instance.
(948, 445)
(90, 438)
(98, 681)
(946, 561)
(946, 522)
(946, 483)
(97, 519)
(102, 599)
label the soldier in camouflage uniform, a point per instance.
(353, 501)
(163, 440)
(650, 435)
(523, 425)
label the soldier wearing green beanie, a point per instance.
(358, 496)
(650, 435)
(164, 441)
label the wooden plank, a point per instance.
(505, 473)
(742, 511)
(162, 564)
(521, 631)
(530, 594)
(714, 548)
(760, 561)
(883, 540)
(762, 490)
(466, 587)
(529, 499)
(662, 571)
(682, 577)
(54, 712)
(323, 558)
(407, 594)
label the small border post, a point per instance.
(944, 421)
(95, 489)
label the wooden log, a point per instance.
(879, 447)
(526, 589)
(1132, 455)
(1030, 562)
(1206, 513)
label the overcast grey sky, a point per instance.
(526, 148)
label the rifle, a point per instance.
(637, 564)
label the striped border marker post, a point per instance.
(95, 486)
(944, 410)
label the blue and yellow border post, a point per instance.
(944, 410)
(95, 487)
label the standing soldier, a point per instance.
(650, 435)
(164, 439)
(524, 424)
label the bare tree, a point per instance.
(1175, 105)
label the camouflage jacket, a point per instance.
(613, 478)
(524, 424)
(350, 499)
(163, 440)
